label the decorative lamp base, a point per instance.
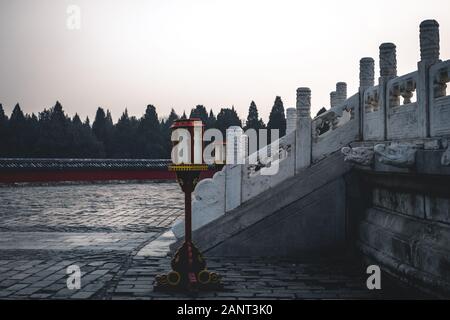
(189, 273)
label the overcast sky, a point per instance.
(180, 53)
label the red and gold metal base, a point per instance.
(189, 272)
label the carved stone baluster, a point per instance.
(334, 121)
(291, 120)
(440, 84)
(394, 96)
(375, 101)
(407, 91)
(352, 112)
(368, 107)
(406, 95)
(316, 125)
(303, 133)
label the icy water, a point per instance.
(85, 207)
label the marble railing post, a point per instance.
(333, 99)
(303, 133)
(339, 96)
(388, 71)
(235, 146)
(429, 42)
(366, 80)
(366, 72)
(291, 120)
(388, 61)
(429, 55)
(341, 92)
(235, 150)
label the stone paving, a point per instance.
(118, 235)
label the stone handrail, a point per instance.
(402, 113)
(371, 113)
(342, 127)
(378, 113)
(273, 170)
(440, 99)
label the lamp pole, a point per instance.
(188, 216)
(189, 271)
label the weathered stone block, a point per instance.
(233, 182)
(437, 209)
(402, 202)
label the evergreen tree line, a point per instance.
(53, 134)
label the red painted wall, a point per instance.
(91, 175)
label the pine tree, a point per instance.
(124, 137)
(253, 120)
(211, 122)
(4, 134)
(98, 127)
(59, 131)
(172, 117)
(31, 134)
(87, 123)
(134, 147)
(200, 113)
(227, 118)
(17, 115)
(83, 142)
(75, 129)
(55, 139)
(166, 133)
(109, 120)
(3, 116)
(76, 120)
(262, 125)
(149, 136)
(17, 129)
(277, 118)
(103, 130)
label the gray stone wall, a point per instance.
(402, 221)
(292, 232)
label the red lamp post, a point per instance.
(189, 271)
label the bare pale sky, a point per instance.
(179, 53)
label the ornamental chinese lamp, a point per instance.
(189, 271)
